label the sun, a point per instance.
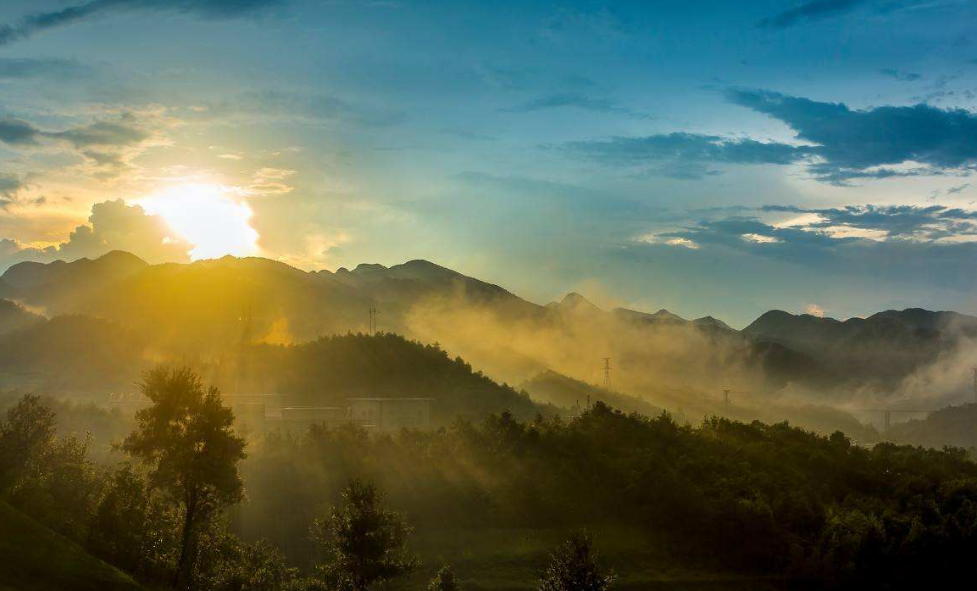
(208, 217)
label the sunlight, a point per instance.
(207, 216)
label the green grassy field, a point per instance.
(511, 559)
(33, 558)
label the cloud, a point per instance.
(900, 75)
(10, 186)
(816, 10)
(107, 145)
(911, 249)
(124, 131)
(925, 224)
(43, 21)
(113, 225)
(685, 155)
(811, 10)
(835, 143)
(576, 100)
(856, 143)
(17, 132)
(24, 68)
(814, 310)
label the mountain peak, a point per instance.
(369, 268)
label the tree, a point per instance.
(366, 544)
(573, 567)
(26, 433)
(186, 439)
(443, 581)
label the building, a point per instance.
(391, 414)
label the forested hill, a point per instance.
(329, 370)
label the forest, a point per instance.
(182, 501)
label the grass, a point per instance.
(34, 558)
(511, 559)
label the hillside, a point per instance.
(565, 392)
(329, 370)
(15, 317)
(72, 353)
(33, 558)
(953, 425)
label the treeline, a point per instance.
(162, 517)
(768, 499)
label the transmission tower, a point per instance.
(373, 320)
(607, 372)
(975, 385)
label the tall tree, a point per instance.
(574, 567)
(365, 543)
(27, 431)
(186, 439)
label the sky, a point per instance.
(711, 158)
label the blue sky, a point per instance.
(717, 158)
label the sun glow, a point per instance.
(207, 216)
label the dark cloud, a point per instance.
(816, 10)
(10, 186)
(23, 68)
(852, 143)
(43, 21)
(17, 132)
(810, 11)
(122, 132)
(900, 75)
(113, 225)
(685, 155)
(576, 100)
(107, 145)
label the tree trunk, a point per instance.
(184, 569)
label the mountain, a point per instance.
(58, 285)
(34, 558)
(205, 308)
(951, 425)
(881, 349)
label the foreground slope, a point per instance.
(33, 558)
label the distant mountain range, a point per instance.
(206, 307)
